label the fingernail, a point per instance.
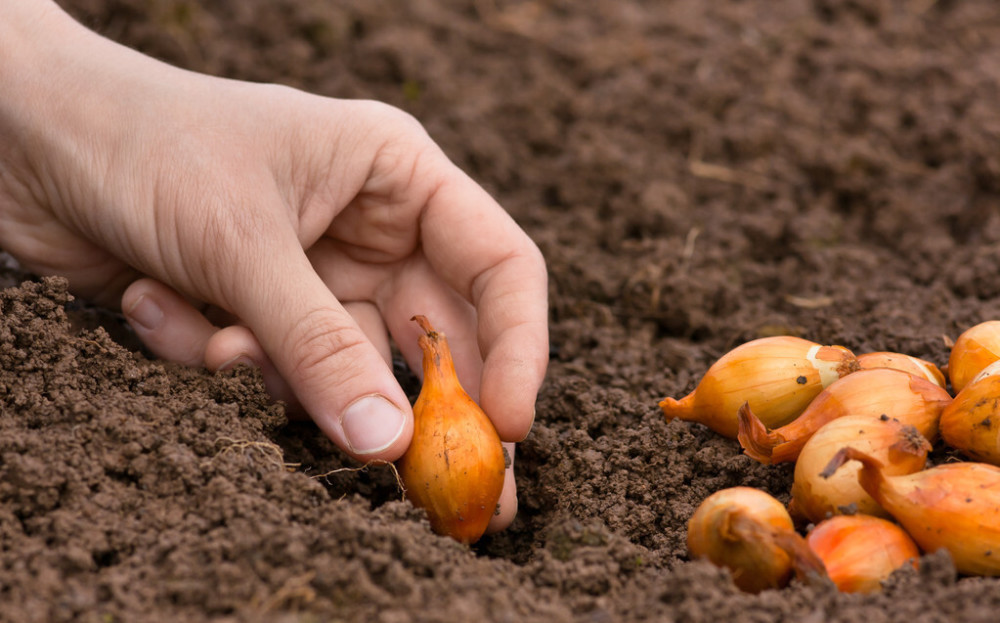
(238, 360)
(372, 424)
(145, 313)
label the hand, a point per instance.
(318, 227)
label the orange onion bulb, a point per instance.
(778, 376)
(905, 363)
(454, 467)
(900, 448)
(750, 533)
(860, 551)
(971, 423)
(880, 391)
(976, 348)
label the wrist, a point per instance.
(36, 37)
(45, 102)
(65, 96)
(67, 114)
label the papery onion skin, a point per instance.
(904, 363)
(876, 392)
(454, 467)
(778, 376)
(954, 506)
(971, 423)
(750, 533)
(860, 551)
(991, 370)
(976, 348)
(901, 448)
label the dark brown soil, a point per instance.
(697, 174)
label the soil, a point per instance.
(696, 174)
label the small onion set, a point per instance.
(900, 448)
(877, 392)
(750, 533)
(846, 545)
(777, 376)
(858, 429)
(454, 467)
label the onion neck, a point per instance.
(439, 368)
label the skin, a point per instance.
(247, 223)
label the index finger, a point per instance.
(480, 251)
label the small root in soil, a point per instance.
(271, 452)
(392, 466)
(295, 591)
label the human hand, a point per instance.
(317, 227)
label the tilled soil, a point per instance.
(696, 174)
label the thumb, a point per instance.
(335, 371)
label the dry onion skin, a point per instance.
(971, 423)
(876, 392)
(860, 551)
(778, 376)
(904, 363)
(454, 467)
(899, 447)
(991, 370)
(976, 348)
(954, 506)
(750, 533)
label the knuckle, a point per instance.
(321, 338)
(397, 118)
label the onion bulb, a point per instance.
(971, 423)
(778, 376)
(905, 363)
(976, 348)
(454, 467)
(880, 391)
(750, 533)
(860, 551)
(954, 506)
(900, 448)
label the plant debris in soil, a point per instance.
(696, 174)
